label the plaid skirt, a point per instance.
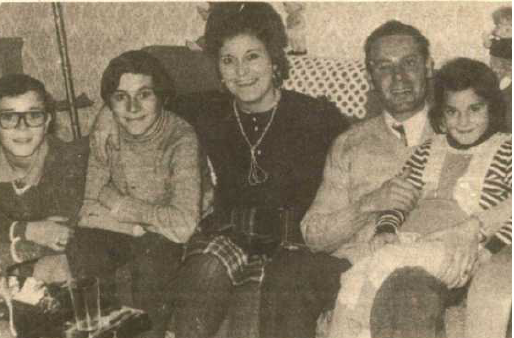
(241, 266)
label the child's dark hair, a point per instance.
(18, 84)
(259, 19)
(462, 74)
(137, 62)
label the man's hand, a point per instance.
(379, 240)
(461, 242)
(51, 232)
(104, 132)
(396, 193)
(484, 256)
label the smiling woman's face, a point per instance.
(135, 104)
(247, 70)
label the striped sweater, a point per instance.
(486, 184)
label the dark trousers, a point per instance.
(411, 303)
(298, 286)
(202, 298)
(152, 259)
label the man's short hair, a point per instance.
(395, 27)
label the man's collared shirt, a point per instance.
(414, 126)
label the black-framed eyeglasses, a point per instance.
(32, 119)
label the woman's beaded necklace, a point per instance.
(256, 174)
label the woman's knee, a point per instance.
(203, 273)
(205, 266)
(203, 293)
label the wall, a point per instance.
(98, 32)
(453, 28)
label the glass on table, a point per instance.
(85, 297)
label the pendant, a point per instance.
(257, 175)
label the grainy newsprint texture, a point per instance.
(329, 35)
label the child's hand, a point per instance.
(461, 244)
(379, 240)
(52, 269)
(484, 256)
(50, 232)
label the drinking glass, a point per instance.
(85, 297)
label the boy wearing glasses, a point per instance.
(41, 180)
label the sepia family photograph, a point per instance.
(256, 169)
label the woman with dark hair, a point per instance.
(461, 228)
(267, 149)
(142, 202)
(41, 181)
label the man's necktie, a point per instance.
(398, 127)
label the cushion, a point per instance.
(341, 81)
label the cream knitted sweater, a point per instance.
(359, 161)
(152, 181)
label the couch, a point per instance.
(342, 82)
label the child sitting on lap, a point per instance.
(464, 213)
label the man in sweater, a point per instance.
(359, 182)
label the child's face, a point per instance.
(466, 116)
(24, 123)
(135, 104)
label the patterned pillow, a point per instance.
(341, 81)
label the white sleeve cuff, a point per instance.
(11, 230)
(14, 256)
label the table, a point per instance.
(33, 322)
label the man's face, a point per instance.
(399, 72)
